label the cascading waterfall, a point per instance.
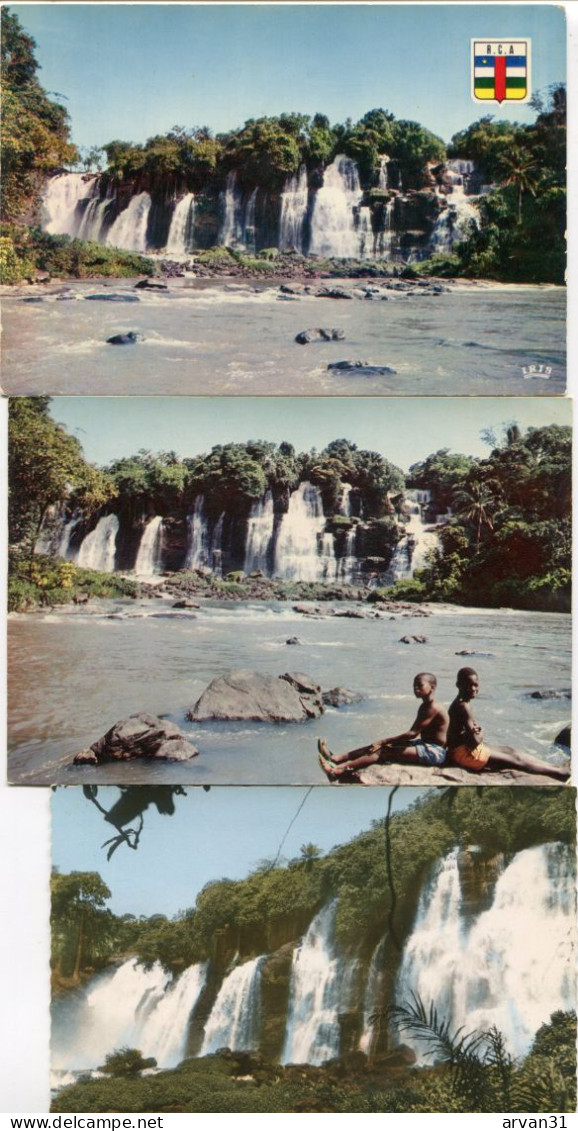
(93, 220)
(454, 223)
(205, 538)
(149, 555)
(299, 548)
(333, 221)
(231, 234)
(98, 549)
(411, 552)
(62, 196)
(235, 1019)
(130, 1006)
(259, 535)
(382, 181)
(294, 202)
(312, 1033)
(129, 230)
(249, 228)
(513, 966)
(180, 238)
(372, 997)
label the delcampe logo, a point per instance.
(501, 70)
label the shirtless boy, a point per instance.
(424, 742)
(466, 747)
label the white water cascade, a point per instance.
(249, 228)
(235, 1019)
(513, 966)
(129, 230)
(205, 539)
(180, 238)
(454, 223)
(93, 218)
(333, 220)
(130, 1006)
(383, 163)
(294, 201)
(62, 195)
(259, 534)
(98, 549)
(411, 552)
(232, 233)
(301, 551)
(312, 1033)
(372, 997)
(148, 560)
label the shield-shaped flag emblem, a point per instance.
(501, 70)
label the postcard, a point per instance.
(323, 953)
(190, 605)
(303, 199)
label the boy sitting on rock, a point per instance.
(466, 747)
(424, 742)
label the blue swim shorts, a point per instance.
(430, 754)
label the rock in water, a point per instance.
(111, 298)
(564, 737)
(361, 368)
(127, 339)
(150, 285)
(341, 697)
(318, 334)
(139, 736)
(244, 695)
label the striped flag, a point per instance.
(500, 70)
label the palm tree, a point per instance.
(477, 502)
(518, 167)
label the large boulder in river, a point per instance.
(248, 695)
(139, 736)
(318, 334)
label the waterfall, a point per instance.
(385, 237)
(294, 200)
(346, 566)
(204, 549)
(98, 549)
(149, 555)
(130, 1006)
(333, 227)
(129, 230)
(299, 541)
(235, 1019)
(312, 1033)
(382, 181)
(259, 535)
(93, 220)
(62, 195)
(372, 997)
(180, 238)
(365, 233)
(454, 223)
(411, 552)
(513, 966)
(231, 233)
(249, 232)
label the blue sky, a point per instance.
(221, 833)
(404, 430)
(131, 71)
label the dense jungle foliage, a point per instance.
(506, 541)
(521, 234)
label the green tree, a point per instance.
(80, 923)
(35, 128)
(126, 1062)
(46, 467)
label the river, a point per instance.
(205, 337)
(74, 672)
